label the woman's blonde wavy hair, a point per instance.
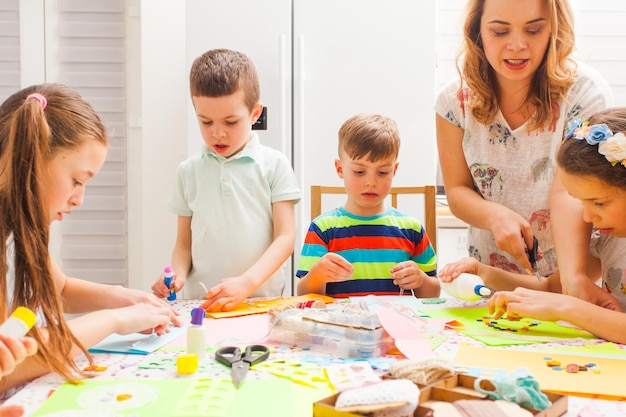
(551, 81)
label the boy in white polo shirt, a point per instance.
(235, 200)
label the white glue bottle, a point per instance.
(18, 323)
(467, 287)
(196, 341)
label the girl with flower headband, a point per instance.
(497, 130)
(52, 143)
(592, 165)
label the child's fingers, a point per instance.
(30, 345)
(11, 411)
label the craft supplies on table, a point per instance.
(344, 330)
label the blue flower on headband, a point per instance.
(572, 125)
(580, 130)
(598, 133)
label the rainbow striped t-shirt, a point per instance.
(373, 245)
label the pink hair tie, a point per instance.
(41, 99)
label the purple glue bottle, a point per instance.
(168, 277)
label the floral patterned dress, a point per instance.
(516, 168)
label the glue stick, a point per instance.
(18, 323)
(467, 287)
(168, 277)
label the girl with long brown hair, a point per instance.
(52, 143)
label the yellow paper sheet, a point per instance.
(608, 384)
(263, 306)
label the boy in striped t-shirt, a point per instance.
(364, 247)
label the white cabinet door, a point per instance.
(353, 56)
(336, 59)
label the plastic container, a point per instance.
(168, 277)
(338, 330)
(196, 340)
(19, 322)
(467, 287)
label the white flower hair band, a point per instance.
(612, 146)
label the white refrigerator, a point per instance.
(320, 62)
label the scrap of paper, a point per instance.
(476, 322)
(304, 373)
(602, 380)
(263, 306)
(354, 375)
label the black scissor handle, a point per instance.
(255, 354)
(228, 355)
(533, 255)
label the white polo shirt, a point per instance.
(230, 202)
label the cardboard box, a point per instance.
(458, 387)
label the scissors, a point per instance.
(533, 257)
(239, 364)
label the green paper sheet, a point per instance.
(528, 331)
(181, 397)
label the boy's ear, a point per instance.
(339, 168)
(395, 167)
(256, 112)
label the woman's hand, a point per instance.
(512, 234)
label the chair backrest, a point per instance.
(430, 208)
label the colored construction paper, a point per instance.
(257, 306)
(202, 397)
(408, 337)
(606, 350)
(473, 322)
(307, 374)
(229, 331)
(136, 343)
(607, 384)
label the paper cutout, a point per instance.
(609, 384)
(382, 364)
(346, 376)
(263, 306)
(307, 374)
(136, 343)
(408, 338)
(528, 331)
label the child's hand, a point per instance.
(146, 318)
(229, 293)
(469, 265)
(332, 268)
(13, 351)
(162, 291)
(407, 275)
(11, 411)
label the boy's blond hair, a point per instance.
(222, 72)
(369, 135)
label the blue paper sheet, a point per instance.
(136, 343)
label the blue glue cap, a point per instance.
(197, 314)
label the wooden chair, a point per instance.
(430, 210)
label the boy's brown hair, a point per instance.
(222, 72)
(369, 135)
